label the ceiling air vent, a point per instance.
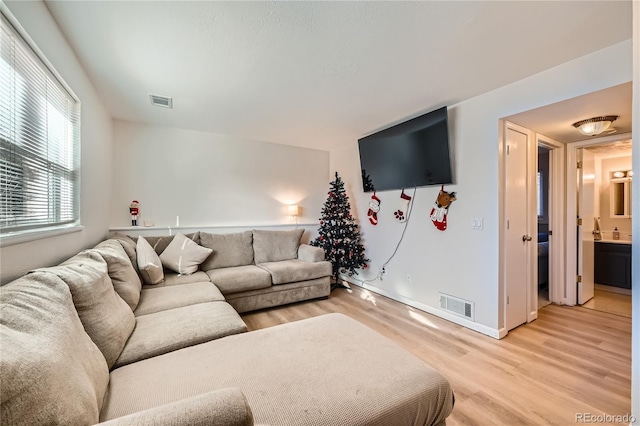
(161, 101)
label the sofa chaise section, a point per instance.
(325, 370)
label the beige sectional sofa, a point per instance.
(85, 342)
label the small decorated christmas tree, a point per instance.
(339, 234)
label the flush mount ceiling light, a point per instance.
(596, 125)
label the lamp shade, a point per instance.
(293, 209)
(596, 125)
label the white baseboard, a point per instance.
(491, 332)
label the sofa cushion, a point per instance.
(291, 271)
(124, 277)
(128, 244)
(171, 278)
(272, 246)
(52, 373)
(296, 373)
(222, 407)
(159, 244)
(278, 295)
(149, 264)
(168, 331)
(184, 256)
(239, 278)
(156, 299)
(228, 249)
(310, 253)
(106, 318)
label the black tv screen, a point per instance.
(413, 153)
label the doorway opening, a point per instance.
(542, 190)
(605, 261)
(535, 127)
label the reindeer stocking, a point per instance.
(441, 208)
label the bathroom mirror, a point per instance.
(620, 194)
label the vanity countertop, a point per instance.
(606, 240)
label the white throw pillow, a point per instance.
(183, 255)
(149, 263)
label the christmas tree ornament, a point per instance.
(339, 235)
(374, 208)
(441, 208)
(403, 207)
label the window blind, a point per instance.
(39, 141)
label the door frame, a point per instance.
(531, 272)
(571, 232)
(557, 205)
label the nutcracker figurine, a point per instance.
(134, 211)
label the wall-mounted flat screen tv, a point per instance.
(413, 153)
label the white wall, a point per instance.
(96, 139)
(460, 261)
(213, 180)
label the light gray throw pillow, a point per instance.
(273, 246)
(160, 244)
(184, 256)
(228, 250)
(149, 264)
(52, 373)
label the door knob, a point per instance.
(527, 238)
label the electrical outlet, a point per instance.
(408, 278)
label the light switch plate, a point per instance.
(477, 223)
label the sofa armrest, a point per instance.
(310, 253)
(222, 407)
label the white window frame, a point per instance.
(13, 235)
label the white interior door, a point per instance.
(586, 206)
(517, 239)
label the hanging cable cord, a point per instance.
(395, 250)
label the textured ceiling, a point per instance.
(556, 120)
(619, 148)
(318, 74)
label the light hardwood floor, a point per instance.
(568, 361)
(614, 303)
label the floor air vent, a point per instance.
(462, 308)
(161, 101)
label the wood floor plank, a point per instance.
(568, 361)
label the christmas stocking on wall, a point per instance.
(374, 208)
(441, 208)
(403, 207)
